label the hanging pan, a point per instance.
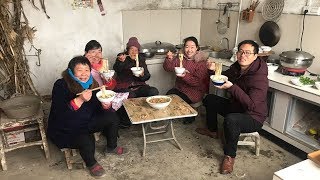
(269, 33)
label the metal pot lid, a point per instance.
(158, 46)
(297, 54)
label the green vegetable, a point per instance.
(306, 80)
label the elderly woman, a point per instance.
(126, 80)
(193, 83)
(93, 51)
(73, 119)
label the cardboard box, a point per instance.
(14, 138)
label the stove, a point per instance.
(292, 71)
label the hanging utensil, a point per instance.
(221, 26)
(229, 5)
(218, 15)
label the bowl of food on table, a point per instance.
(159, 101)
(106, 96)
(218, 80)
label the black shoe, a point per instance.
(189, 120)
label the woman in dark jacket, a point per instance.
(126, 80)
(73, 119)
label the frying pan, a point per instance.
(269, 33)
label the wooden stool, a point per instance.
(72, 158)
(14, 134)
(251, 139)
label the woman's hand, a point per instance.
(92, 59)
(122, 57)
(106, 105)
(86, 95)
(170, 55)
(211, 65)
(142, 73)
(226, 85)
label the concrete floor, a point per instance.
(199, 159)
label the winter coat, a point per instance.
(249, 89)
(65, 123)
(194, 84)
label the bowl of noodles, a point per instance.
(218, 80)
(159, 102)
(106, 97)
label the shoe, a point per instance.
(227, 165)
(189, 120)
(118, 151)
(207, 132)
(97, 171)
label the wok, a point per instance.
(269, 33)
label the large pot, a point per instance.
(296, 59)
(158, 47)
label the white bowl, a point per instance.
(265, 49)
(317, 84)
(159, 102)
(179, 70)
(108, 74)
(218, 80)
(296, 81)
(136, 70)
(110, 96)
(272, 67)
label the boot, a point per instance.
(227, 165)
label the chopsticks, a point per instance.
(94, 89)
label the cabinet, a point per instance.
(291, 117)
(160, 79)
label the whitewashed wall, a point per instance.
(65, 34)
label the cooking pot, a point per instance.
(158, 47)
(296, 59)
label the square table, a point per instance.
(140, 112)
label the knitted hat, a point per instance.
(133, 41)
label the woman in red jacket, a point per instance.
(193, 83)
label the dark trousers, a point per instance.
(184, 97)
(140, 91)
(234, 122)
(107, 123)
(180, 94)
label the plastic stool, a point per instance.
(251, 139)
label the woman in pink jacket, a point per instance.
(93, 51)
(193, 83)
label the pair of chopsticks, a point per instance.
(94, 89)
